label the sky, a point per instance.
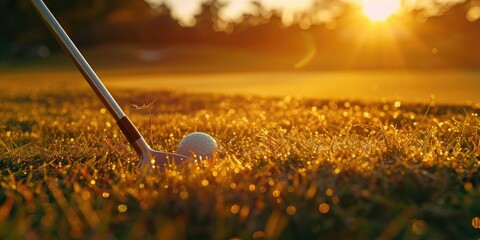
(319, 11)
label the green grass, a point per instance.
(289, 168)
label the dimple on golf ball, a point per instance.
(197, 144)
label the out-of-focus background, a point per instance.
(358, 47)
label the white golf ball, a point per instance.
(197, 144)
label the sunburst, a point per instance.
(379, 10)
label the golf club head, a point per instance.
(161, 160)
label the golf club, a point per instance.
(148, 156)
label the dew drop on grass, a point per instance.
(276, 193)
(291, 210)
(271, 182)
(122, 208)
(235, 209)
(329, 192)
(476, 222)
(324, 208)
(205, 182)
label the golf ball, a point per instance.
(197, 144)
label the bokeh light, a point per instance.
(306, 12)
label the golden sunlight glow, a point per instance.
(306, 12)
(379, 10)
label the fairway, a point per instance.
(454, 87)
(446, 86)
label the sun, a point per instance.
(379, 10)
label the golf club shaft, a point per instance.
(128, 129)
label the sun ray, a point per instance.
(377, 45)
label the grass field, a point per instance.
(289, 167)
